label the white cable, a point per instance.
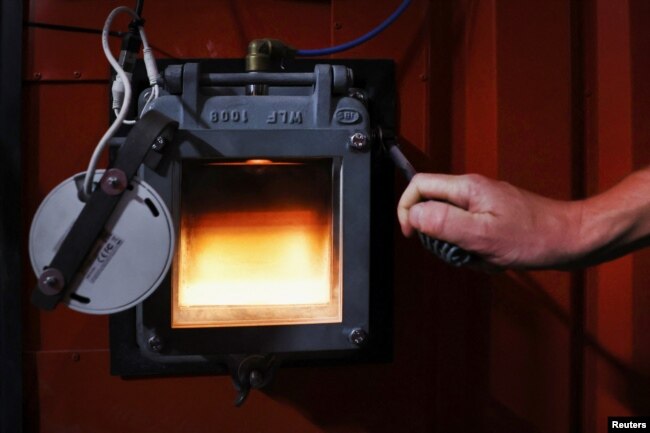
(152, 73)
(125, 121)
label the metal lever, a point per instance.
(447, 252)
(251, 372)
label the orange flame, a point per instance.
(239, 266)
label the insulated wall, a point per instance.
(549, 95)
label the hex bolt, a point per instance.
(155, 343)
(359, 141)
(358, 336)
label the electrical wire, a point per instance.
(152, 73)
(154, 94)
(139, 5)
(69, 29)
(87, 30)
(360, 40)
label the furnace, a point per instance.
(282, 204)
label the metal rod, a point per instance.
(270, 78)
(401, 162)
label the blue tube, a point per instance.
(360, 40)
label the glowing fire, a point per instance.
(255, 258)
(256, 245)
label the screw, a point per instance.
(155, 343)
(37, 75)
(338, 25)
(51, 281)
(358, 336)
(358, 95)
(424, 77)
(76, 74)
(359, 141)
(75, 357)
(113, 181)
(159, 144)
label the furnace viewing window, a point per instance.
(258, 243)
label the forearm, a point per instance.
(617, 221)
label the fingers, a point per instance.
(443, 221)
(452, 189)
(441, 187)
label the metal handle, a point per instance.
(445, 251)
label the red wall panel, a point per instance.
(485, 86)
(616, 380)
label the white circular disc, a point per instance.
(128, 261)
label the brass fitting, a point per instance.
(261, 52)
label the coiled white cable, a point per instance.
(152, 73)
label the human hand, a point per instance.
(504, 225)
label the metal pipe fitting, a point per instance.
(261, 52)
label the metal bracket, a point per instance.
(52, 283)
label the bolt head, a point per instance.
(358, 336)
(358, 95)
(51, 281)
(155, 343)
(359, 141)
(114, 181)
(159, 144)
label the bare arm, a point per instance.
(511, 227)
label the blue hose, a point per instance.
(360, 40)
